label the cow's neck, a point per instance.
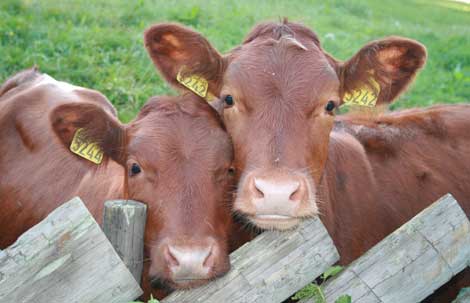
(351, 209)
(101, 184)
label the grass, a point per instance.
(98, 44)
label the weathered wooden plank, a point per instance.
(411, 263)
(65, 258)
(124, 225)
(270, 268)
(464, 296)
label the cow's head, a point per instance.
(177, 158)
(280, 90)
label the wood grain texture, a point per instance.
(270, 268)
(124, 225)
(464, 296)
(65, 258)
(412, 262)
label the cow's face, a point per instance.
(279, 91)
(185, 158)
(281, 112)
(177, 159)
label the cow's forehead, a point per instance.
(280, 68)
(178, 137)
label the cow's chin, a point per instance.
(170, 285)
(275, 222)
(187, 284)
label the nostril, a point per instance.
(296, 194)
(258, 191)
(209, 260)
(170, 257)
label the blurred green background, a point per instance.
(98, 44)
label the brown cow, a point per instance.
(364, 175)
(175, 157)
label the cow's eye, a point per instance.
(330, 106)
(231, 171)
(228, 100)
(135, 169)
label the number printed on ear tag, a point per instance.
(195, 83)
(86, 149)
(364, 96)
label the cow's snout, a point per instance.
(276, 199)
(291, 190)
(187, 263)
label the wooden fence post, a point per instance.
(124, 225)
(65, 258)
(411, 263)
(270, 268)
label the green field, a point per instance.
(99, 45)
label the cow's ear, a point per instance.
(384, 68)
(176, 49)
(79, 125)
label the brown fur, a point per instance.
(385, 168)
(23, 77)
(179, 142)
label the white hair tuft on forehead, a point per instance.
(292, 41)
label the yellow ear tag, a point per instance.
(364, 96)
(196, 84)
(86, 149)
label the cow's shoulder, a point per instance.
(440, 121)
(18, 81)
(28, 98)
(62, 92)
(32, 90)
(385, 134)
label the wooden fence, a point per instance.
(124, 225)
(411, 263)
(67, 258)
(407, 266)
